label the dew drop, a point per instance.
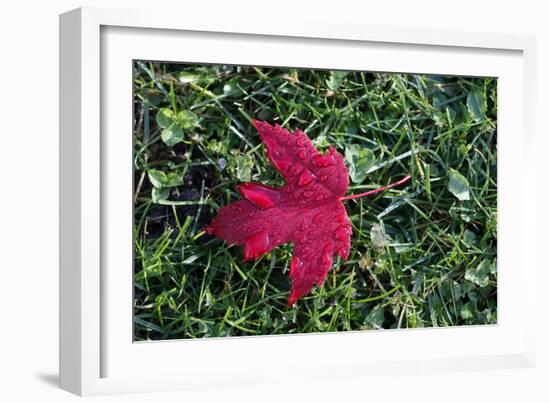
(306, 178)
(280, 164)
(323, 161)
(343, 253)
(342, 234)
(308, 193)
(295, 264)
(294, 169)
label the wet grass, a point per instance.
(422, 255)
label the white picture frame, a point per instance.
(97, 355)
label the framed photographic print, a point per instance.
(256, 194)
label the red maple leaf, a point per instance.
(307, 211)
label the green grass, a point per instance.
(420, 256)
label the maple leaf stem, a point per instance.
(374, 191)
